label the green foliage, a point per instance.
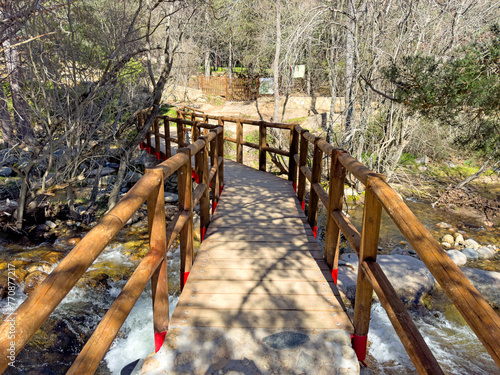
(407, 159)
(252, 137)
(462, 91)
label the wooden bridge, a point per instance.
(259, 272)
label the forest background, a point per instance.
(418, 77)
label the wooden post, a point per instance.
(312, 213)
(205, 120)
(292, 164)
(368, 252)
(262, 145)
(214, 146)
(201, 83)
(158, 243)
(221, 153)
(180, 132)
(203, 173)
(239, 139)
(186, 204)
(156, 127)
(335, 200)
(301, 188)
(195, 131)
(166, 125)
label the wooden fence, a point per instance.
(234, 89)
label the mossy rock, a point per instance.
(52, 257)
(19, 274)
(33, 280)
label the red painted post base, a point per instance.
(159, 339)
(303, 204)
(335, 275)
(142, 146)
(158, 155)
(359, 344)
(220, 190)
(195, 176)
(315, 231)
(214, 206)
(203, 232)
(294, 185)
(184, 278)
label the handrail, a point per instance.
(475, 310)
(35, 310)
(477, 313)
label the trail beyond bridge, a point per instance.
(260, 296)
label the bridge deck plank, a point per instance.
(259, 265)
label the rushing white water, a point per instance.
(137, 339)
(455, 346)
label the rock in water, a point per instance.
(485, 253)
(487, 283)
(409, 276)
(443, 225)
(457, 257)
(472, 244)
(448, 238)
(32, 281)
(470, 253)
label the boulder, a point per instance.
(444, 225)
(33, 280)
(485, 253)
(423, 160)
(470, 253)
(448, 238)
(171, 198)
(487, 283)
(457, 257)
(459, 239)
(472, 244)
(409, 276)
(5, 172)
(132, 177)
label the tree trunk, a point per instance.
(276, 64)
(230, 63)
(5, 121)
(120, 176)
(21, 118)
(350, 67)
(207, 64)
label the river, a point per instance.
(54, 347)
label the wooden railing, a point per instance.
(35, 310)
(475, 310)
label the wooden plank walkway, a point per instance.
(260, 265)
(259, 298)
